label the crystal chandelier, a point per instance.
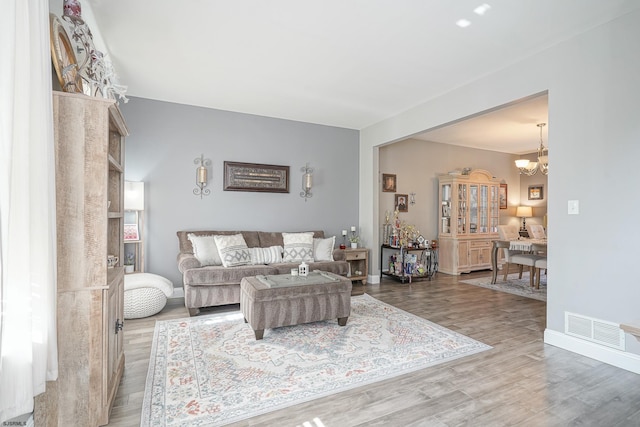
(529, 168)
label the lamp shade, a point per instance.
(133, 196)
(524, 212)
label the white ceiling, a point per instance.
(341, 63)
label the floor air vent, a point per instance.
(594, 330)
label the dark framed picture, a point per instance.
(502, 196)
(401, 203)
(256, 177)
(388, 183)
(536, 192)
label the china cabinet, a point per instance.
(89, 157)
(468, 220)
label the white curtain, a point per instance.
(28, 348)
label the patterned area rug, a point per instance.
(513, 285)
(210, 370)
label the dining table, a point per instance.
(524, 245)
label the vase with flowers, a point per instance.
(129, 263)
(354, 239)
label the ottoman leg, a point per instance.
(342, 321)
(259, 334)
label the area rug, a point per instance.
(513, 285)
(210, 370)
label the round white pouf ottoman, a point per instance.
(145, 294)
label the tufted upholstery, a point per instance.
(536, 231)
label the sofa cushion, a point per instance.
(298, 247)
(250, 237)
(233, 250)
(205, 249)
(219, 275)
(270, 255)
(323, 249)
(268, 238)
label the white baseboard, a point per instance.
(621, 359)
(373, 279)
(178, 292)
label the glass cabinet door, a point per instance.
(495, 209)
(483, 210)
(445, 206)
(462, 209)
(473, 208)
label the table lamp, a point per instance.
(524, 212)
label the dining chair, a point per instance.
(536, 231)
(509, 232)
(540, 263)
(530, 261)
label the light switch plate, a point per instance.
(573, 207)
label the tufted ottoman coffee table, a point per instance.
(285, 300)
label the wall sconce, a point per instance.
(412, 198)
(201, 176)
(307, 182)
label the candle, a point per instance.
(202, 175)
(353, 228)
(344, 232)
(308, 181)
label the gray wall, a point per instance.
(166, 138)
(593, 131)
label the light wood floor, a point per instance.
(520, 382)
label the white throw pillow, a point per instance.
(233, 250)
(297, 247)
(323, 249)
(270, 255)
(205, 249)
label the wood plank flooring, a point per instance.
(520, 382)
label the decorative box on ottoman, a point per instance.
(285, 300)
(145, 294)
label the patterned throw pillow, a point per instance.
(233, 250)
(205, 249)
(323, 249)
(297, 247)
(270, 255)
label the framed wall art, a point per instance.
(256, 177)
(536, 192)
(502, 196)
(131, 232)
(388, 183)
(401, 203)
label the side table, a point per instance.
(358, 260)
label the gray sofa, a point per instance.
(213, 285)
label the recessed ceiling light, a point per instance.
(482, 9)
(462, 23)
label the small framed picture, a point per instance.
(502, 196)
(401, 203)
(131, 232)
(388, 183)
(536, 192)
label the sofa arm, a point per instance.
(187, 261)
(339, 255)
